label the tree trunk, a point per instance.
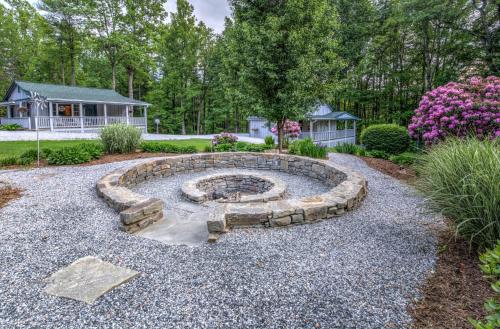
(280, 135)
(130, 71)
(183, 126)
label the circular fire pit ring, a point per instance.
(234, 188)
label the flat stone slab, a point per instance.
(87, 279)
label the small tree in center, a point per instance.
(287, 53)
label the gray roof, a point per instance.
(334, 116)
(75, 94)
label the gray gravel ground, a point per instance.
(357, 271)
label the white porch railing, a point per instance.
(319, 136)
(84, 122)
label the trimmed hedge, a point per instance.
(389, 138)
(164, 147)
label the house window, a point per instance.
(90, 110)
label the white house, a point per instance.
(70, 108)
(323, 125)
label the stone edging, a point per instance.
(348, 188)
(275, 188)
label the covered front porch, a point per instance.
(69, 108)
(330, 131)
(73, 116)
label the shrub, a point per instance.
(29, 156)
(224, 138)
(46, 152)
(460, 179)
(9, 161)
(163, 147)
(68, 156)
(390, 138)
(95, 150)
(269, 140)
(490, 265)
(378, 154)
(120, 138)
(404, 159)
(223, 148)
(10, 127)
(347, 148)
(307, 147)
(458, 109)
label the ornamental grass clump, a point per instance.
(459, 109)
(120, 138)
(461, 179)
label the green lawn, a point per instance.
(8, 149)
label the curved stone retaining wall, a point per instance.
(136, 211)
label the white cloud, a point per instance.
(211, 12)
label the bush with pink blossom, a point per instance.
(291, 129)
(224, 138)
(459, 109)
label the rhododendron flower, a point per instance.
(224, 138)
(291, 129)
(459, 109)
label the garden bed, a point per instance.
(8, 194)
(456, 290)
(387, 167)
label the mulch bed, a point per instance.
(390, 168)
(9, 194)
(455, 292)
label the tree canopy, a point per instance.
(374, 59)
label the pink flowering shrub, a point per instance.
(291, 129)
(459, 109)
(224, 138)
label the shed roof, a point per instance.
(334, 116)
(55, 92)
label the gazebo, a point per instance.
(323, 125)
(69, 108)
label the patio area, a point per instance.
(361, 270)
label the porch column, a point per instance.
(354, 127)
(57, 110)
(80, 110)
(51, 117)
(105, 115)
(9, 109)
(329, 133)
(311, 125)
(126, 114)
(345, 131)
(146, 119)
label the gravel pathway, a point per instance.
(357, 271)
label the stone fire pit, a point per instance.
(252, 200)
(234, 188)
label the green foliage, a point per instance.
(165, 147)
(347, 148)
(241, 147)
(30, 156)
(69, 156)
(390, 138)
(306, 147)
(460, 180)
(207, 149)
(8, 161)
(269, 140)
(404, 159)
(120, 138)
(10, 127)
(490, 265)
(95, 150)
(377, 154)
